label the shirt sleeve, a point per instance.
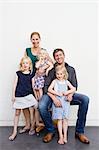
(48, 80)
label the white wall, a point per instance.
(71, 26)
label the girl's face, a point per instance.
(43, 55)
(35, 40)
(60, 75)
(25, 65)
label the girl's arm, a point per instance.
(33, 83)
(50, 66)
(14, 88)
(51, 89)
(71, 90)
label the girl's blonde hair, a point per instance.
(46, 55)
(44, 52)
(63, 69)
(30, 64)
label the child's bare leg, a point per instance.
(27, 117)
(37, 118)
(59, 124)
(16, 120)
(65, 128)
(40, 93)
(40, 96)
(26, 113)
(36, 93)
(32, 114)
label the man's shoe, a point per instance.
(47, 138)
(39, 128)
(82, 138)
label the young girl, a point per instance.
(43, 65)
(59, 87)
(22, 92)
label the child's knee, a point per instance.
(17, 113)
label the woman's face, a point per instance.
(35, 40)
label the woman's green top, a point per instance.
(33, 57)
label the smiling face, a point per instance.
(35, 39)
(25, 64)
(59, 57)
(60, 75)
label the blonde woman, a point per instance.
(59, 88)
(22, 96)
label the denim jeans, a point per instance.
(78, 99)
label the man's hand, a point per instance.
(57, 103)
(55, 100)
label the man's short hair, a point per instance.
(57, 50)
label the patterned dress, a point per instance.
(39, 78)
(61, 112)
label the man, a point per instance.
(76, 99)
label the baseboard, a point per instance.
(71, 123)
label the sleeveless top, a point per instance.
(24, 84)
(60, 86)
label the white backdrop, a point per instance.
(71, 26)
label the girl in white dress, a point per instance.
(22, 94)
(59, 87)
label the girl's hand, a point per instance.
(65, 93)
(13, 99)
(60, 94)
(69, 97)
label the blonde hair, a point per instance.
(42, 52)
(46, 55)
(63, 69)
(30, 64)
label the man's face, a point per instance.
(59, 57)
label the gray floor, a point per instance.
(27, 142)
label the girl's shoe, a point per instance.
(23, 130)
(31, 132)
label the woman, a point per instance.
(33, 53)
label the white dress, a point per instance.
(61, 112)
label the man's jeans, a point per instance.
(78, 99)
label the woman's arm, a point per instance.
(37, 65)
